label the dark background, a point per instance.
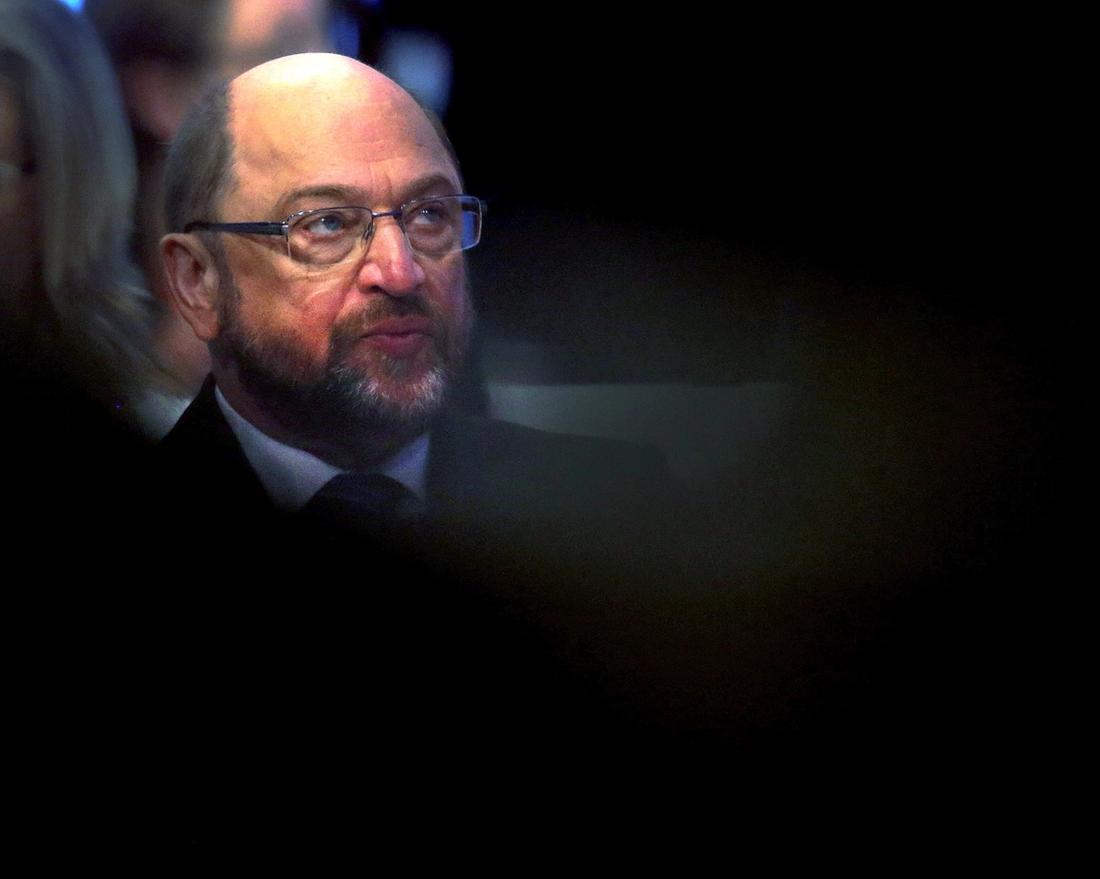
(684, 193)
(851, 201)
(854, 202)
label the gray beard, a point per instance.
(346, 414)
(365, 407)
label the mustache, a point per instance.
(352, 328)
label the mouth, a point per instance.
(400, 337)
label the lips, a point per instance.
(400, 326)
(400, 337)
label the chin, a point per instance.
(406, 401)
(413, 397)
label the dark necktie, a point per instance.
(363, 501)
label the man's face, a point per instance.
(363, 347)
(353, 394)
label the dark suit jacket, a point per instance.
(494, 490)
(478, 467)
(503, 623)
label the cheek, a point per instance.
(448, 290)
(302, 309)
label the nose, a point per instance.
(391, 265)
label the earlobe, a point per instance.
(193, 281)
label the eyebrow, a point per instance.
(351, 194)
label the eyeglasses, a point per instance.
(325, 236)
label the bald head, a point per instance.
(307, 84)
(275, 101)
(271, 119)
(348, 357)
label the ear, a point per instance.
(193, 282)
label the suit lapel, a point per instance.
(203, 453)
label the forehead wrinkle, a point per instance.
(265, 150)
(336, 195)
(345, 195)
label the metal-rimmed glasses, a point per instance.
(325, 236)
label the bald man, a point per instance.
(321, 225)
(336, 331)
(368, 577)
(329, 510)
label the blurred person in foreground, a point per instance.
(75, 320)
(78, 385)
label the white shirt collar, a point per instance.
(292, 476)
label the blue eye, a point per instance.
(326, 235)
(326, 225)
(427, 214)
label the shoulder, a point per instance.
(201, 457)
(200, 424)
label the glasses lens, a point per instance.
(433, 226)
(326, 236)
(441, 225)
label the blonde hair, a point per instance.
(84, 161)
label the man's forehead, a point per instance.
(319, 112)
(267, 94)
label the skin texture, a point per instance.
(294, 346)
